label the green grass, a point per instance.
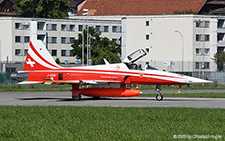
(201, 95)
(33, 88)
(107, 123)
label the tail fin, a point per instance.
(38, 58)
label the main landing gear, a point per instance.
(159, 96)
(75, 92)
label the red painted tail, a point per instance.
(38, 58)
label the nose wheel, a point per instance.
(159, 96)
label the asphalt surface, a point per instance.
(185, 91)
(64, 99)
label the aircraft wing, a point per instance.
(90, 82)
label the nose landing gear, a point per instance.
(159, 96)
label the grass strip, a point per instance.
(107, 123)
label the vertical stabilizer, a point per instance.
(38, 57)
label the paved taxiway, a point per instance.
(64, 99)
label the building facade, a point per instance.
(56, 34)
(178, 43)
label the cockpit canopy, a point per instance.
(134, 56)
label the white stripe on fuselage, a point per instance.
(145, 75)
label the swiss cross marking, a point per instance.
(31, 63)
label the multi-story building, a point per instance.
(180, 43)
(56, 34)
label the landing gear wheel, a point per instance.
(96, 97)
(159, 97)
(76, 98)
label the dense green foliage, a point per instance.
(95, 123)
(219, 59)
(185, 12)
(101, 47)
(43, 8)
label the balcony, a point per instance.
(221, 30)
(221, 43)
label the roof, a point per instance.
(14, 7)
(141, 7)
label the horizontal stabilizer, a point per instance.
(29, 82)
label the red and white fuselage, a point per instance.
(40, 67)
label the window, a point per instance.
(102, 28)
(116, 29)
(147, 23)
(71, 39)
(197, 51)
(72, 27)
(20, 52)
(17, 52)
(63, 52)
(26, 50)
(63, 27)
(202, 51)
(18, 39)
(202, 37)
(66, 53)
(80, 27)
(207, 51)
(22, 26)
(63, 40)
(41, 37)
(52, 27)
(53, 52)
(98, 28)
(52, 40)
(202, 24)
(71, 52)
(17, 26)
(147, 37)
(198, 65)
(40, 25)
(106, 29)
(67, 27)
(26, 39)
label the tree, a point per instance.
(185, 12)
(101, 47)
(219, 59)
(43, 8)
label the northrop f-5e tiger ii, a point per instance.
(108, 80)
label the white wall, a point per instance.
(6, 39)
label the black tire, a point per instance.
(77, 98)
(159, 97)
(96, 97)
